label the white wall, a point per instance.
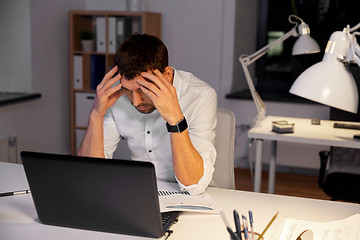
(43, 124)
(15, 58)
(200, 35)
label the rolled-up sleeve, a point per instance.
(111, 135)
(202, 122)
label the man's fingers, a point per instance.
(162, 77)
(116, 89)
(109, 75)
(150, 86)
(149, 93)
(112, 81)
(153, 79)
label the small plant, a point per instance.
(86, 35)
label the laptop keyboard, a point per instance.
(169, 218)
(165, 217)
(347, 125)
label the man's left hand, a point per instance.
(163, 94)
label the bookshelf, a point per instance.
(87, 68)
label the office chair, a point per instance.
(342, 181)
(224, 144)
(223, 175)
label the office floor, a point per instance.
(285, 184)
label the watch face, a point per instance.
(179, 127)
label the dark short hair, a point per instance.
(139, 53)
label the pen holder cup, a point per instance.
(255, 233)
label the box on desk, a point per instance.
(282, 127)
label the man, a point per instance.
(168, 117)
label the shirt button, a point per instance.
(148, 132)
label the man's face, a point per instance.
(139, 100)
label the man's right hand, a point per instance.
(106, 95)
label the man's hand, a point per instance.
(187, 162)
(106, 95)
(163, 94)
(93, 142)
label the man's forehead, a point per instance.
(131, 85)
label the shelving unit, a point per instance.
(86, 69)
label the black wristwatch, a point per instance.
(179, 127)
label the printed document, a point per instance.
(171, 198)
(348, 228)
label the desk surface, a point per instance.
(305, 132)
(18, 215)
(13, 97)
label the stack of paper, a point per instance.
(348, 228)
(172, 199)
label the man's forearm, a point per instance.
(93, 142)
(187, 162)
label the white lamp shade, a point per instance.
(328, 83)
(305, 45)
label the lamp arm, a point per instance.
(262, 51)
(246, 60)
(354, 28)
(356, 52)
(260, 106)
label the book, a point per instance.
(136, 25)
(78, 72)
(97, 70)
(112, 35)
(282, 127)
(123, 29)
(86, 71)
(100, 34)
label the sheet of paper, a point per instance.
(348, 228)
(172, 199)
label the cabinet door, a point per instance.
(83, 106)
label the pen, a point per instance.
(251, 219)
(266, 228)
(246, 227)
(14, 193)
(232, 234)
(237, 223)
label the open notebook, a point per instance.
(118, 196)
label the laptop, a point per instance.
(108, 195)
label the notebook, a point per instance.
(117, 196)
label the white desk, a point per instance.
(304, 132)
(18, 215)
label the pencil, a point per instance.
(266, 228)
(5, 194)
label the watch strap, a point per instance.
(179, 127)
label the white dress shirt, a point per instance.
(147, 136)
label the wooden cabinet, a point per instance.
(87, 67)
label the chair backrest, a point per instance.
(344, 159)
(342, 181)
(224, 145)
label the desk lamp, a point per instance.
(330, 82)
(303, 45)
